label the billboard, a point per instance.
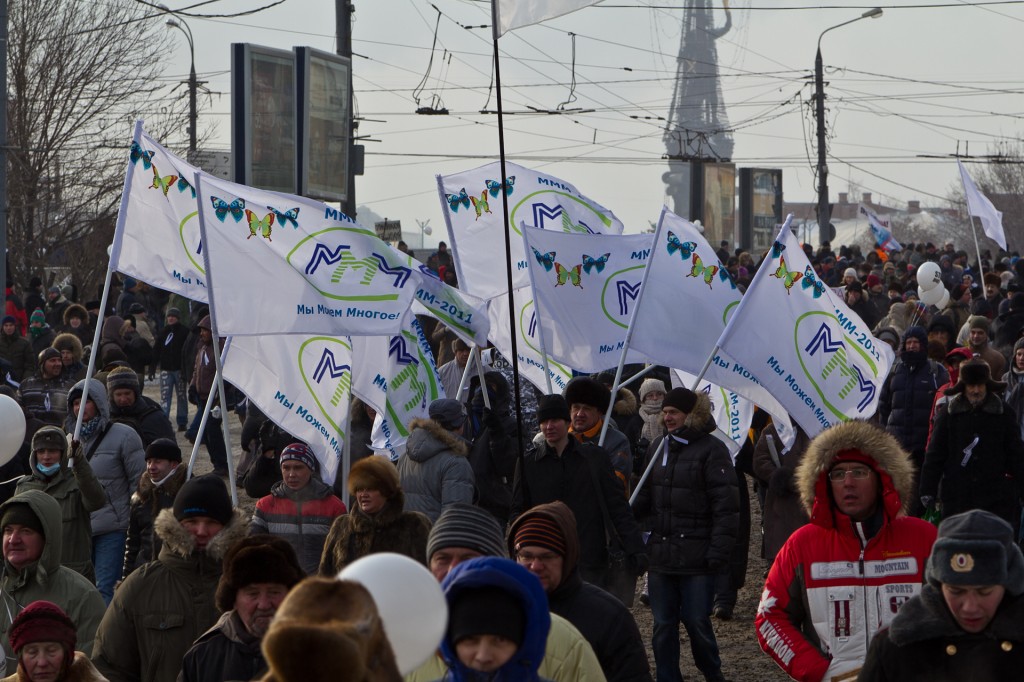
(263, 126)
(323, 81)
(760, 207)
(719, 202)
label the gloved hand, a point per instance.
(927, 501)
(491, 420)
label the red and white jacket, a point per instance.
(832, 587)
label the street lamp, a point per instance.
(193, 84)
(824, 214)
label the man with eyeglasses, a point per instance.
(842, 577)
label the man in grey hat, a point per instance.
(435, 472)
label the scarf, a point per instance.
(90, 427)
(650, 413)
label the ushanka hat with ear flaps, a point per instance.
(976, 548)
(587, 391)
(975, 372)
(261, 558)
(552, 407)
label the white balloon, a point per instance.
(929, 276)
(944, 301)
(410, 602)
(931, 296)
(12, 428)
(427, 229)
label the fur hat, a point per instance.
(70, 343)
(587, 391)
(374, 473)
(552, 407)
(974, 372)
(164, 448)
(50, 438)
(204, 496)
(122, 377)
(683, 399)
(43, 621)
(976, 548)
(326, 630)
(649, 385)
(261, 558)
(466, 525)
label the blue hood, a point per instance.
(509, 576)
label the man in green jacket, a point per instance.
(76, 490)
(164, 606)
(31, 526)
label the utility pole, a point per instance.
(3, 142)
(824, 216)
(343, 14)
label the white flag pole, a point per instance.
(977, 247)
(629, 329)
(464, 381)
(226, 432)
(536, 311)
(480, 373)
(207, 406)
(115, 248)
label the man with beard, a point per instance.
(258, 572)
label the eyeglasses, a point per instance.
(859, 474)
(529, 557)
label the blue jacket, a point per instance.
(510, 576)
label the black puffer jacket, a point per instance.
(495, 447)
(142, 544)
(227, 651)
(905, 404)
(690, 502)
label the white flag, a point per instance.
(158, 241)
(512, 14)
(585, 287)
(979, 205)
(284, 264)
(732, 412)
(397, 377)
(302, 383)
(803, 344)
(531, 360)
(472, 205)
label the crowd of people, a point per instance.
(891, 547)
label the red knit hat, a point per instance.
(43, 621)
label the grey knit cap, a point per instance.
(463, 525)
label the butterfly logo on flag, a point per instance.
(788, 277)
(595, 263)
(455, 200)
(162, 182)
(495, 187)
(222, 208)
(810, 281)
(701, 270)
(777, 249)
(262, 227)
(724, 275)
(289, 216)
(138, 153)
(184, 184)
(685, 249)
(568, 274)
(545, 259)
(480, 205)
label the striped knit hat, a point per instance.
(540, 531)
(463, 525)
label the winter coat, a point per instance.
(356, 534)
(500, 572)
(55, 310)
(690, 502)
(164, 606)
(495, 450)
(227, 651)
(783, 511)
(78, 493)
(81, 670)
(924, 642)
(992, 478)
(17, 350)
(620, 452)
(1014, 395)
(47, 579)
(82, 332)
(169, 345)
(110, 337)
(435, 471)
(600, 617)
(147, 418)
(829, 591)
(46, 399)
(41, 338)
(906, 401)
(1008, 331)
(117, 457)
(302, 517)
(142, 544)
(544, 476)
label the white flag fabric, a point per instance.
(397, 377)
(979, 205)
(531, 360)
(732, 412)
(302, 383)
(284, 264)
(803, 344)
(512, 14)
(158, 241)
(585, 287)
(472, 206)
(880, 230)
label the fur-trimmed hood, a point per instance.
(68, 341)
(144, 491)
(626, 404)
(699, 420)
(179, 542)
(81, 670)
(891, 463)
(75, 310)
(427, 438)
